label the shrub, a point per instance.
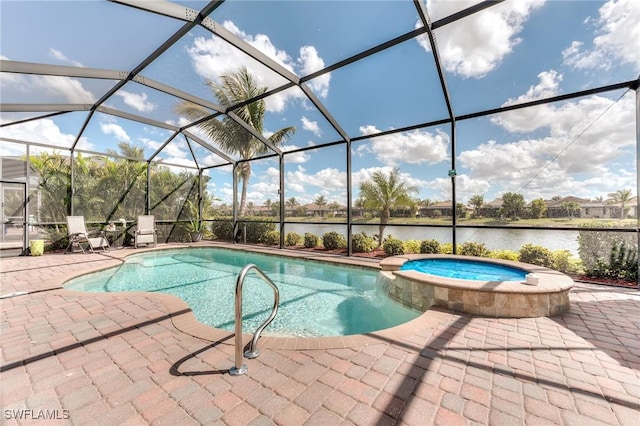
(504, 254)
(393, 246)
(622, 264)
(594, 246)
(411, 246)
(333, 241)
(257, 231)
(222, 229)
(56, 238)
(292, 239)
(473, 249)
(311, 240)
(430, 247)
(447, 248)
(561, 260)
(362, 243)
(536, 255)
(271, 238)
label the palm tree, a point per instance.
(461, 210)
(477, 201)
(384, 191)
(320, 202)
(123, 181)
(251, 207)
(361, 205)
(538, 208)
(54, 174)
(268, 204)
(233, 139)
(334, 207)
(292, 203)
(570, 207)
(622, 197)
(512, 205)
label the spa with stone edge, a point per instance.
(476, 285)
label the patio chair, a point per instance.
(81, 240)
(146, 232)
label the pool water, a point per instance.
(316, 299)
(465, 269)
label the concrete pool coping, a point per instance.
(184, 319)
(509, 299)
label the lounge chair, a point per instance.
(145, 232)
(81, 240)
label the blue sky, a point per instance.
(511, 53)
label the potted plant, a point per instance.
(197, 229)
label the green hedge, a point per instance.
(292, 239)
(333, 241)
(362, 243)
(311, 240)
(393, 246)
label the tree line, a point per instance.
(110, 188)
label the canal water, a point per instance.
(493, 239)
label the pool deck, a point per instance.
(88, 358)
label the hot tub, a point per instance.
(540, 292)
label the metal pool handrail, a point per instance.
(252, 351)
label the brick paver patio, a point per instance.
(124, 359)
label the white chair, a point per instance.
(79, 238)
(145, 232)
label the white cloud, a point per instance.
(310, 62)
(494, 161)
(528, 119)
(294, 187)
(115, 130)
(617, 42)
(44, 89)
(137, 101)
(175, 150)
(296, 157)
(43, 131)
(180, 161)
(213, 57)
(565, 120)
(226, 194)
(415, 147)
(582, 145)
(548, 86)
(366, 174)
(212, 160)
(311, 126)
(466, 187)
(65, 88)
(477, 44)
(329, 179)
(56, 54)
(263, 186)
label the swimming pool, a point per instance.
(465, 269)
(316, 298)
